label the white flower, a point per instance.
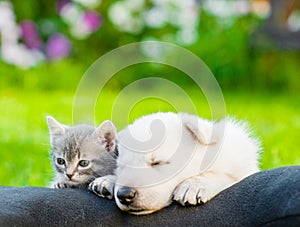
(179, 13)
(80, 30)
(123, 18)
(220, 8)
(294, 21)
(21, 56)
(11, 51)
(70, 13)
(133, 16)
(156, 17)
(227, 9)
(185, 18)
(118, 13)
(8, 28)
(186, 37)
(243, 6)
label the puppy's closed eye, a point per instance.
(154, 163)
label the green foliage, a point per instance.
(227, 46)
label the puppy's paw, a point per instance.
(192, 191)
(103, 186)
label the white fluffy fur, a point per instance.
(194, 160)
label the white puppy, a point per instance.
(167, 156)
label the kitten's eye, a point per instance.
(60, 161)
(84, 163)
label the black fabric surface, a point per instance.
(270, 198)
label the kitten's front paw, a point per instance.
(103, 186)
(60, 185)
(192, 191)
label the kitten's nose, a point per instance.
(126, 195)
(70, 175)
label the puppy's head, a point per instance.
(156, 153)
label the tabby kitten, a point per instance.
(81, 153)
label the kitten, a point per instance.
(81, 153)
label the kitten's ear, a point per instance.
(105, 134)
(55, 128)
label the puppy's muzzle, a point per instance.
(126, 195)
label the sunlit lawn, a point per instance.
(24, 142)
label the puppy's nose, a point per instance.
(126, 195)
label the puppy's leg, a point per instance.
(103, 186)
(201, 188)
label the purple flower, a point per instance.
(58, 46)
(92, 19)
(30, 35)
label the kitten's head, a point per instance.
(82, 152)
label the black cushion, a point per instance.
(266, 198)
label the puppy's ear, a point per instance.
(55, 128)
(196, 133)
(199, 129)
(105, 134)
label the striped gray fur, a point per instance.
(73, 144)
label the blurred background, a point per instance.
(251, 46)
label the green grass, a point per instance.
(24, 139)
